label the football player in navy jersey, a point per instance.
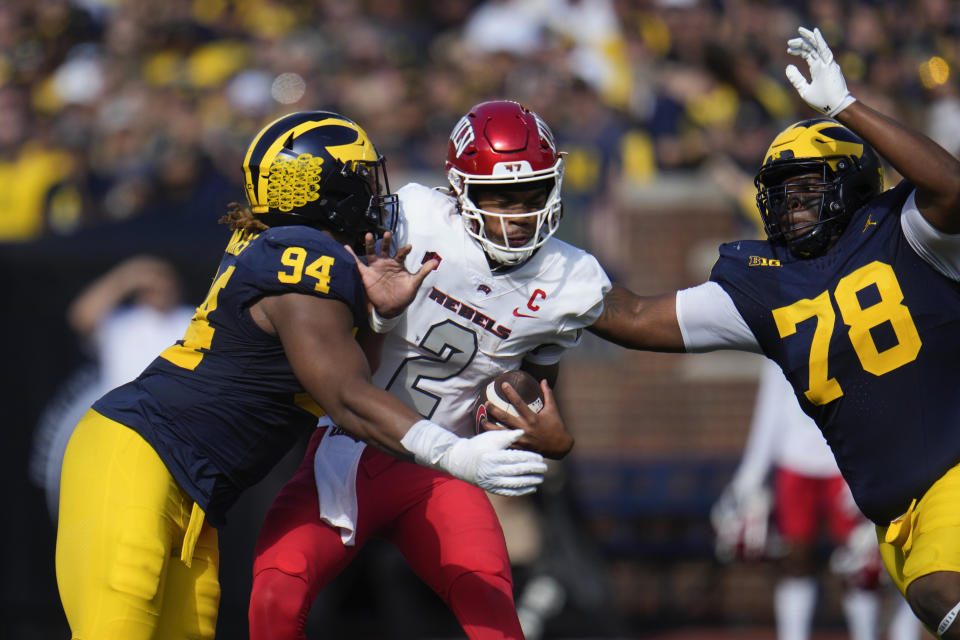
(856, 296)
(153, 467)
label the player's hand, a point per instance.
(485, 460)
(827, 90)
(543, 431)
(390, 287)
(740, 523)
(858, 557)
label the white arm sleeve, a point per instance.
(940, 250)
(767, 410)
(709, 320)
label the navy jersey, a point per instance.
(869, 337)
(222, 406)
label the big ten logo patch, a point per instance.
(761, 261)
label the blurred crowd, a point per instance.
(115, 109)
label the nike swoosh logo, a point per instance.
(517, 313)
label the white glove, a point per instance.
(859, 556)
(740, 522)
(827, 90)
(482, 460)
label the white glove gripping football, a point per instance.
(827, 90)
(482, 460)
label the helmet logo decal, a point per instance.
(462, 135)
(293, 182)
(545, 132)
(511, 168)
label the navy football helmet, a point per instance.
(849, 175)
(319, 169)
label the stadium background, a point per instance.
(122, 127)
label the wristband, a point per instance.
(383, 325)
(948, 619)
(428, 442)
(846, 102)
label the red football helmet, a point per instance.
(503, 142)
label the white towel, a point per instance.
(335, 472)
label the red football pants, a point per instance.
(445, 529)
(804, 502)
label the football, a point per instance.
(491, 392)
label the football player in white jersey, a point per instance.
(505, 295)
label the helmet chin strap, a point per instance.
(506, 259)
(825, 232)
(502, 258)
(809, 245)
(817, 241)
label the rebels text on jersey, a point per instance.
(869, 337)
(469, 323)
(222, 406)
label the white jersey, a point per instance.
(130, 338)
(466, 325)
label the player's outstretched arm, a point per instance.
(330, 364)
(639, 322)
(933, 170)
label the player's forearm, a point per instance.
(482, 460)
(934, 171)
(372, 345)
(372, 415)
(638, 322)
(90, 307)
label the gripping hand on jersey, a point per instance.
(827, 90)
(483, 460)
(390, 287)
